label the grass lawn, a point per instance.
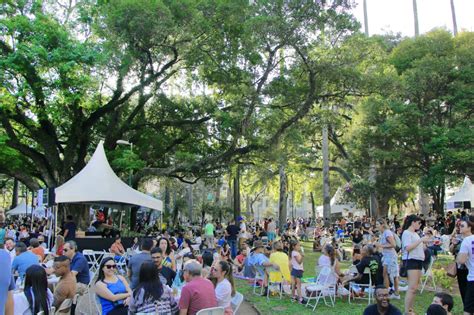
(342, 306)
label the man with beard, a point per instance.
(383, 306)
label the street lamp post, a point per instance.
(125, 142)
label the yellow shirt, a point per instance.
(281, 259)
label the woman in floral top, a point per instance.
(151, 296)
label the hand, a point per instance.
(276, 267)
(126, 302)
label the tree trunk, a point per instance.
(373, 196)
(382, 207)
(14, 194)
(217, 201)
(190, 203)
(282, 204)
(236, 204)
(424, 201)
(167, 201)
(366, 20)
(313, 207)
(415, 17)
(453, 14)
(326, 193)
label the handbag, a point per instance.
(404, 268)
(452, 270)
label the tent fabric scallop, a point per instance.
(97, 183)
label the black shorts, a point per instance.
(414, 264)
(469, 297)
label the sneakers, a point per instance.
(394, 296)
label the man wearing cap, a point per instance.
(258, 259)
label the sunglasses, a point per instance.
(110, 266)
(65, 250)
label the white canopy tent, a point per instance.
(338, 206)
(97, 183)
(463, 195)
(20, 209)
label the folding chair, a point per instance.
(278, 284)
(236, 301)
(369, 286)
(322, 288)
(259, 275)
(426, 275)
(211, 311)
(92, 259)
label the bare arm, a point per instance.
(462, 258)
(9, 304)
(102, 291)
(183, 311)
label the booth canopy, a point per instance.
(97, 183)
(20, 209)
(464, 194)
(338, 206)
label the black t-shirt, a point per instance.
(376, 269)
(372, 310)
(71, 234)
(168, 274)
(366, 226)
(357, 238)
(232, 231)
(357, 224)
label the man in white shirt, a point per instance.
(10, 248)
(466, 257)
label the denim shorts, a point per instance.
(296, 273)
(391, 262)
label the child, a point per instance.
(296, 262)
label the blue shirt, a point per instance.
(115, 288)
(80, 265)
(23, 262)
(6, 279)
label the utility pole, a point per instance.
(453, 14)
(366, 21)
(415, 16)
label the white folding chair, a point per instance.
(92, 259)
(426, 275)
(211, 311)
(259, 276)
(236, 301)
(370, 289)
(278, 284)
(323, 288)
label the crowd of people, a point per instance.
(184, 270)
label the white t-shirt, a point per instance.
(384, 241)
(21, 305)
(294, 263)
(467, 247)
(409, 238)
(325, 261)
(223, 293)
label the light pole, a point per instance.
(125, 142)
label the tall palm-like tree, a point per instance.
(453, 14)
(415, 16)
(326, 195)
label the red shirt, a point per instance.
(197, 295)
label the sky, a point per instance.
(397, 15)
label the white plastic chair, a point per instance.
(427, 274)
(370, 289)
(446, 242)
(211, 311)
(323, 287)
(236, 301)
(278, 284)
(259, 276)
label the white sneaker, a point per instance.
(394, 296)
